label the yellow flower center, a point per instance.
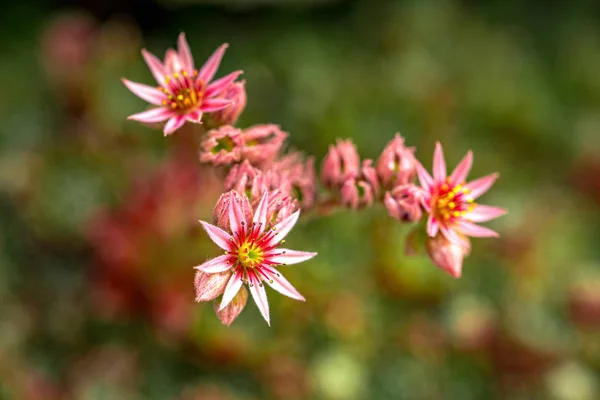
(250, 255)
(182, 92)
(451, 202)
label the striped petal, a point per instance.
(172, 62)
(481, 185)
(211, 105)
(483, 213)
(151, 94)
(153, 115)
(470, 229)
(232, 288)
(257, 289)
(260, 216)
(424, 178)
(218, 235)
(283, 228)
(286, 256)
(194, 117)
(215, 265)
(455, 237)
(439, 165)
(432, 226)
(459, 175)
(280, 284)
(218, 86)
(173, 124)
(185, 55)
(236, 217)
(209, 69)
(156, 66)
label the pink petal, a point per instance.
(173, 124)
(153, 115)
(453, 236)
(151, 94)
(259, 295)
(209, 69)
(481, 185)
(215, 265)
(483, 213)
(286, 256)
(432, 226)
(284, 227)
(439, 165)
(233, 287)
(280, 284)
(195, 117)
(236, 217)
(424, 178)
(221, 84)
(211, 105)
(459, 175)
(185, 55)
(156, 67)
(172, 62)
(260, 216)
(470, 229)
(218, 235)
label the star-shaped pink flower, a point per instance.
(183, 93)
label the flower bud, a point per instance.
(236, 93)
(340, 164)
(397, 164)
(300, 176)
(363, 190)
(262, 143)
(234, 308)
(210, 286)
(447, 255)
(221, 210)
(403, 203)
(222, 146)
(280, 207)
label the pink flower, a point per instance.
(448, 255)
(404, 203)
(449, 200)
(262, 143)
(362, 190)
(340, 164)
(184, 93)
(252, 254)
(396, 165)
(222, 146)
(236, 93)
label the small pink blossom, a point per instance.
(184, 93)
(449, 200)
(362, 190)
(448, 255)
(262, 143)
(252, 255)
(397, 164)
(404, 203)
(222, 146)
(236, 93)
(221, 210)
(341, 163)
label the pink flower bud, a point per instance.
(280, 207)
(298, 177)
(236, 93)
(403, 203)
(262, 143)
(446, 254)
(222, 146)
(363, 190)
(221, 210)
(340, 164)
(210, 286)
(397, 164)
(228, 314)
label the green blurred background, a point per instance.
(98, 231)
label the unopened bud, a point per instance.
(340, 164)
(397, 164)
(210, 286)
(403, 203)
(228, 314)
(236, 93)
(221, 210)
(447, 255)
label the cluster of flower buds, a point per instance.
(266, 188)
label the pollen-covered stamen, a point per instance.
(250, 255)
(451, 202)
(184, 92)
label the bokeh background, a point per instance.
(98, 231)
